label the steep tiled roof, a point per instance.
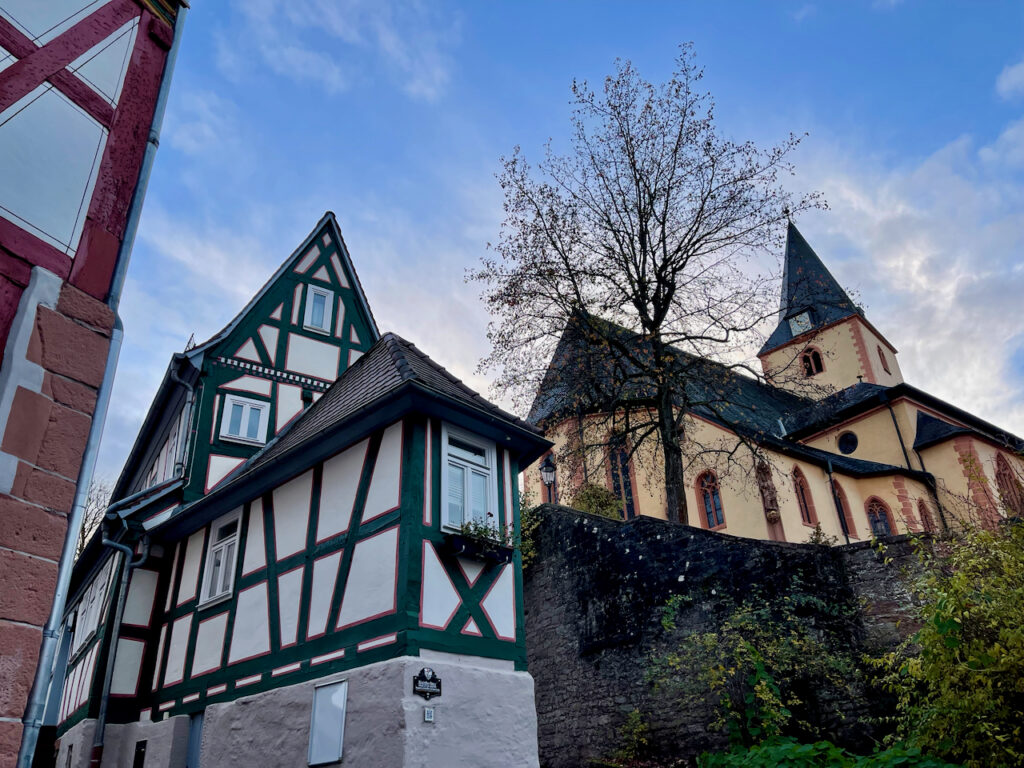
(807, 285)
(387, 365)
(574, 380)
(829, 408)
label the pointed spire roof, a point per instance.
(807, 286)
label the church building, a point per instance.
(832, 435)
(308, 556)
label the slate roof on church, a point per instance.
(389, 364)
(719, 393)
(931, 430)
(807, 285)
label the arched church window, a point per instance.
(927, 521)
(803, 497)
(879, 517)
(710, 497)
(1010, 490)
(844, 507)
(885, 363)
(811, 361)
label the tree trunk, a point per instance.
(675, 487)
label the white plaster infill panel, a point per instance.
(190, 568)
(338, 271)
(291, 514)
(383, 494)
(159, 656)
(268, 335)
(338, 492)
(248, 352)
(471, 569)
(138, 607)
(372, 579)
(325, 573)
(43, 289)
(289, 595)
(220, 467)
(209, 644)
(439, 599)
(175, 671)
(308, 259)
(312, 358)
(276, 314)
(103, 66)
(289, 404)
(500, 605)
(249, 384)
(255, 556)
(251, 634)
(321, 274)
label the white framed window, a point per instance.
(319, 306)
(469, 479)
(244, 420)
(221, 553)
(327, 723)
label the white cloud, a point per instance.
(934, 251)
(1010, 82)
(328, 43)
(804, 11)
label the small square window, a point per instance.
(244, 420)
(469, 481)
(327, 723)
(319, 307)
(221, 554)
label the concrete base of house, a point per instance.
(485, 718)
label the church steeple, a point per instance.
(811, 297)
(821, 333)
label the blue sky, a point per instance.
(395, 114)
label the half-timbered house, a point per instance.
(284, 554)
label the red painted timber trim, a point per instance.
(46, 61)
(32, 249)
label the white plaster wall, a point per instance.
(485, 718)
(166, 744)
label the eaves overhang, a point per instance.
(409, 397)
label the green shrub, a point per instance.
(794, 754)
(597, 500)
(959, 680)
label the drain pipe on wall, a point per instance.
(835, 500)
(127, 566)
(34, 711)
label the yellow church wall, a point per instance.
(741, 499)
(876, 436)
(849, 349)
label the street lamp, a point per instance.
(547, 475)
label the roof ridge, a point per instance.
(394, 344)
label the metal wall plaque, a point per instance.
(426, 684)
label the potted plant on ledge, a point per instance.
(482, 540)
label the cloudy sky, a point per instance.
(395, 114)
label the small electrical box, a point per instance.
(428, 714)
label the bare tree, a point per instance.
(96, 502)
(648, 241)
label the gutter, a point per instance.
(35, 709)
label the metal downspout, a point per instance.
(127, 566)
(899, 433)
(34, 710)
(934, 488)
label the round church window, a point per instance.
(847, 442)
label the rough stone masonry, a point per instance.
(593, 595)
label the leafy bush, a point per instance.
(597, 500)
(770, 667)
(959, 681)
(794, 754)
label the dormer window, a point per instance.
(319, 305)
(885, 363)
(800, 323)
(811, 361)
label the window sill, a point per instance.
(717, 528)
(809, 525)
(316, 329)
(210, 602)
(242, 440)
